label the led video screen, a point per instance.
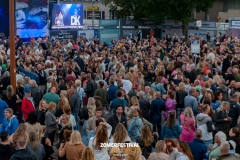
(67, 16)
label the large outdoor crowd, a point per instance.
(74, 96)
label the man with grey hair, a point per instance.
(127, 84)
(36, 93)
(213, 86)
(197, 146)
(191, 100)
(223, 89)
(144, 105)
(101, 79)
(236, 75)
(224, 149)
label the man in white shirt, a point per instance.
(211, 56)
(127, 85)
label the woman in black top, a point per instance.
(10, 98)
(146, 141)
(234, 138)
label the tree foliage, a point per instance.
(158, 10)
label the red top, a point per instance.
(27, 107)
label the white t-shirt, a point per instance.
(127, 85)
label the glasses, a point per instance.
(170, 146)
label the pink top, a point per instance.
(170, 105)
(188, 128)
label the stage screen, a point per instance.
(31, 17)
(67, 16)
(4, 17)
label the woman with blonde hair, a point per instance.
(146, 141)
(120, 135)
(217, 80)
(51, 121)
(67, 111)
(74, 148)
(91, 106)
(135, 154)
(140, 79)
(42, 109)
(19, 88)
(184, 151)
(100, 153)
(188, 125)
(180, 96)
(10, 98)
(152, 95)
(160, 152)
(20, 132)
(129, 111)
(87, 154)
(35, 146)
(65, 125)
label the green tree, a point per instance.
(158, 10)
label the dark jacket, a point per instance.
(220, 124)
(145, 107)
(146, 150)
(193, 76)
(24, 154)
(113, 121)
(198, 149)
(112, 90)
(80, 62)
(41, 117)
(75, 103)
(156, 108)
(224, 91)
(37, 95)
(234, 113)
(42, 77)
(213, 88)
(6, 151)
(234, 139)
(132, 93)
(101, 92)
(180, 95)
(226, 64)
(11, 102)
(91, 88)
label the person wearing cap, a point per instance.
(133, 91)
(10, 123)
(27, 102)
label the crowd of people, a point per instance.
(74, 96)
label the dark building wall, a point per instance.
(213, 12)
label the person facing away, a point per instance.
(197, 146)
(6, 150)
(23, 153)
(225, 155)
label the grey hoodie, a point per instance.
(204, 123)
(224, 91)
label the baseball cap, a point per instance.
(27, 88)
(135, 86)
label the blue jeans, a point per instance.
(76, 119)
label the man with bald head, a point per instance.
(236, 75)
(156, 108)
(197, 146)
(51, 96)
